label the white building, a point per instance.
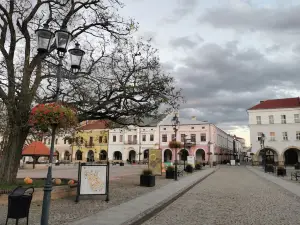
(133, 142)
(279, 120)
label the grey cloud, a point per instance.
(185, 42)
(254, 19)
(183, 8)
(273, 48)
(221, 83)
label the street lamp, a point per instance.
(262, 145)
(62, 40)
(175, 125)
(187, 142)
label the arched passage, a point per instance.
(67, 155)
(146, 154)
(102, 155)
(78, 155)
(117, 155)
(57, 155)
(291, 156)
(167, 155)
(90, 156)
(200, 155)
(184, 154)
(131, 155)
(268, 156)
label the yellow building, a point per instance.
(91, 142)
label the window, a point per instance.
(203, 127)
(48, 141)
(104, 139)
(182, 137)
(173, 137)
(283, 119)
(81, 140)
(77, 140)
(203, 137)
(298, 135)
(285, 136)
(100, 139)
(129, 139)
(272, 136)
(164, 138)
(258, 119)
(45, 140)
(151, 137)
(193, 137)
(121, 138)
(114, 138)
(271, 119)
(56, 141)
(192, 128)
(134, 139)
(144, 137)
(296, 118)
(259, 135)
(91, 141)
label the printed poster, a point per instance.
(93, 180)
(191, 160)
(155, 161)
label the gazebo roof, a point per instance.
(36, 148)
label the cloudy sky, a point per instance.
(226, 55)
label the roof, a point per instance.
(36, 148)
(95, 125)
(277, 104)
(183, 121)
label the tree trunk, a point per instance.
(12, 153)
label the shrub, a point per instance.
(147, 172)
(174, 144)
(189, 167)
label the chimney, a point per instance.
(261, 101)
(194, 118)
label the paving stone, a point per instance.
(232, 195)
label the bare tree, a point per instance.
(123, 77)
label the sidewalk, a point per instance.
(133, 211)
(292, 187)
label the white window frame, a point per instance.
(272, 137)
(271, 119)
(114, 138)
(203, 135)
(298, 135)
(151, 137)
(258, 119)
(283, 119)
(144, 137)
(296, 118)
(285, 136)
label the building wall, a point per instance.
(279, 145)
(97, 146)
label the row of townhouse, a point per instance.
(95, 142)
(278, 120)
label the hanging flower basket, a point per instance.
(221, 153)
(225, 153)
(251, 153)
(216, 153)
(44, 116)
(174, 144)
(209, 153)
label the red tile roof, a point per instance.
(94, 125)
(277, 104)
(37, 148)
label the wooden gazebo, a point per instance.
(36, 149)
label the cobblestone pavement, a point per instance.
(63, 211)
(232, 195)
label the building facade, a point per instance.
(278, 120)
(90, 142)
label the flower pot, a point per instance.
(121, 164)
(189, 169)
(214, 163)
(204, 164)
(147, 180)
(269, 169)
(170, 174)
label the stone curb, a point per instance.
(291, 187)
(146, 215)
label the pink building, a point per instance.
(207, 137)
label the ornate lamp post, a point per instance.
(62, 40)
(175, 125)
(186, 144)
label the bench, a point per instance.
(295, 175)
